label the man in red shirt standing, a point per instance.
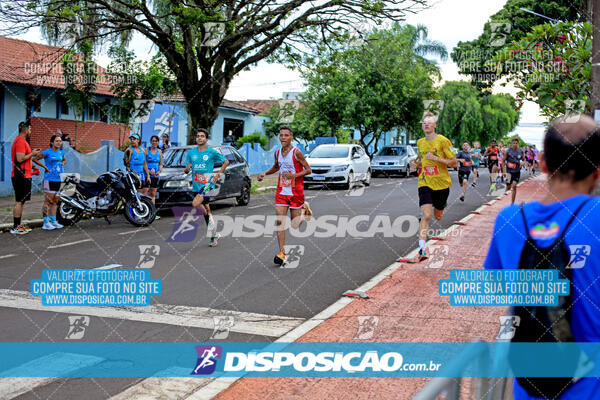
(21, 155)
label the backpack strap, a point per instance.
(572, 218)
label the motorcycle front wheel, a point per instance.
(140, 216)
(67, 215)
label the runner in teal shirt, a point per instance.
(476, 158)
(201, 162)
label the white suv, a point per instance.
(343, 164)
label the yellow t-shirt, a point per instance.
(434, 174)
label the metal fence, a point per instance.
(479, 388)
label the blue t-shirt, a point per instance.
(53, 161)
(545, 223)
(203, 164)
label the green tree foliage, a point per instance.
(472, 57)
(133, 79)
(205, 44)
(552, 67)
(374, 86)
(469, 115)
(255, 137)
(80, 75)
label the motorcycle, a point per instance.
(111, 193)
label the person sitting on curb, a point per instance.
(532, 231)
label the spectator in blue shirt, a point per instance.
(571, 161)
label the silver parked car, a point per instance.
(340, 164)
(394, 159)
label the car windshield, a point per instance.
(330, 152)
(392, 151)
(174, 158)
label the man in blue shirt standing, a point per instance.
(201, 161)
(572, 162)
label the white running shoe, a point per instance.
(48, 226)
(56, 224)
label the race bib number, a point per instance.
(493, 158)
(201, 178)
(466, 163)
(283, 182)
(511, 165)
(432, 170)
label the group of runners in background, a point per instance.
(504, 164)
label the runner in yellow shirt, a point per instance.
(435, 156)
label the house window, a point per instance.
(62, 107)
(33, 101)
(235, 126)
(98, 112)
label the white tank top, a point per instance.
(286, 164)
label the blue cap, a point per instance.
(135, 135)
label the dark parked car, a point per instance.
(175, 187)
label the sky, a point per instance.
(448, 21)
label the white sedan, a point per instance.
(343, 164)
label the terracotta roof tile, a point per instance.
(39, 65)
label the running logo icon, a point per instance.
(293, 253)
(148, 254)
(508, 327)
(207, 359)
(77, 327)
(366, 326)
(222, 325)
(499, 32)
(579, 255)
(437, 255)
(355, 191)
(186, 226)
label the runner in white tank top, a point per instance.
(292, 167)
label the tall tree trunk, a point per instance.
(203, 107)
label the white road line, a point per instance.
(257, 206)
(191, 317)
(64, 363)
(69, 244)
(7, 256)
(134, 231)
(110, 266)
(156, 388)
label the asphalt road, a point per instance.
(236, 279)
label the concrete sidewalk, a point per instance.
(406, 308)
(32, 211)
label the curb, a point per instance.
(220, 384)
(32, 223)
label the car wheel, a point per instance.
(244, 198)
(367, 180)
(350, 182)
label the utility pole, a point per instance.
(595, 99)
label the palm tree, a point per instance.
(423, 46)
